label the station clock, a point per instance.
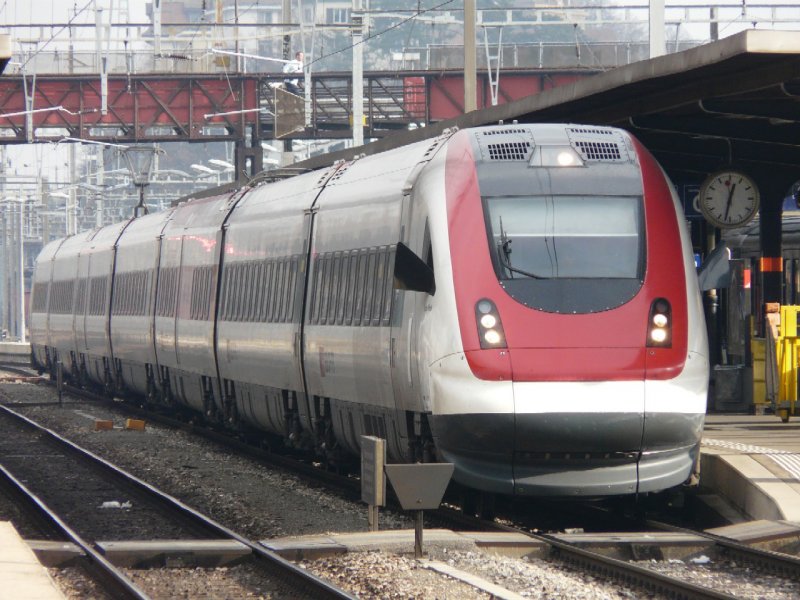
(729, 198)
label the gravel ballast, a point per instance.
(261, 503)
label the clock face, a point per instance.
(728, 199)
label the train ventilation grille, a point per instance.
(339, 173)
(506, 131)
(599, 150)
(510, 151)
(590, 131)
(598, 143)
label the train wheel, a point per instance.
(478, 504)
(783, 413)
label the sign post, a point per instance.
(419, 487)
(373, 482)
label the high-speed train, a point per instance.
(519, 300)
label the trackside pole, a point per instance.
(373, 481)
(419, 487)
(60, 382)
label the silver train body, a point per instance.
(382, 297)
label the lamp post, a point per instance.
(140, 164)
(16, 271)
(22, 336)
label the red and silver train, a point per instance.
(519, 300)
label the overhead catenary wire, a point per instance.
(365, 39)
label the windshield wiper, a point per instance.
(506, 265)
(504, 255)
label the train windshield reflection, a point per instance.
(566, 237)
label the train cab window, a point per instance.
(567, 253)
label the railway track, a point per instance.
(89, 501)
(598, 564)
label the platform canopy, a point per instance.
(735, 101)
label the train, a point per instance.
(519, 300)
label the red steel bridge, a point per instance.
(203, 107)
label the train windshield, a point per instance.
(567, 253)
(566, 236)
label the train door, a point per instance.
(301, 399)
(84, 262)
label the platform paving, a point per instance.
(21, 574)
(753, 461)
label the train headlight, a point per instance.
(555, 156)
(660, 324)
(488, 321)
(490, 329)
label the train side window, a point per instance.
(274, 294)
(380, 287)
(269, 288)
(127, 299)
(370, 306)
(223, 293)
(136, 292)
(280, 290)
(293, 264)
(265, 288)
(230, 293)
(250, 292)
(204, 299)
(241, 292)
(126, 295)
(129, 293)
(326, 290)
(241, 296)
(288, 295)
(336, 280)
(361, 272)
(255, 309)
(245, 289)
(255, 296)
(286, 313)
(343, 279)
(315, 298)
(352, 269)
(237, 292)
(207, 280)
(388, 293)
(165, 292)
(287, 287)
(287, 292)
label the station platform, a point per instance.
(753, 462)
(15, 350)
(21, 574)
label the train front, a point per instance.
(584, 368)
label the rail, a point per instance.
(274, 564)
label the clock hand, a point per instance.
(730, 201)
